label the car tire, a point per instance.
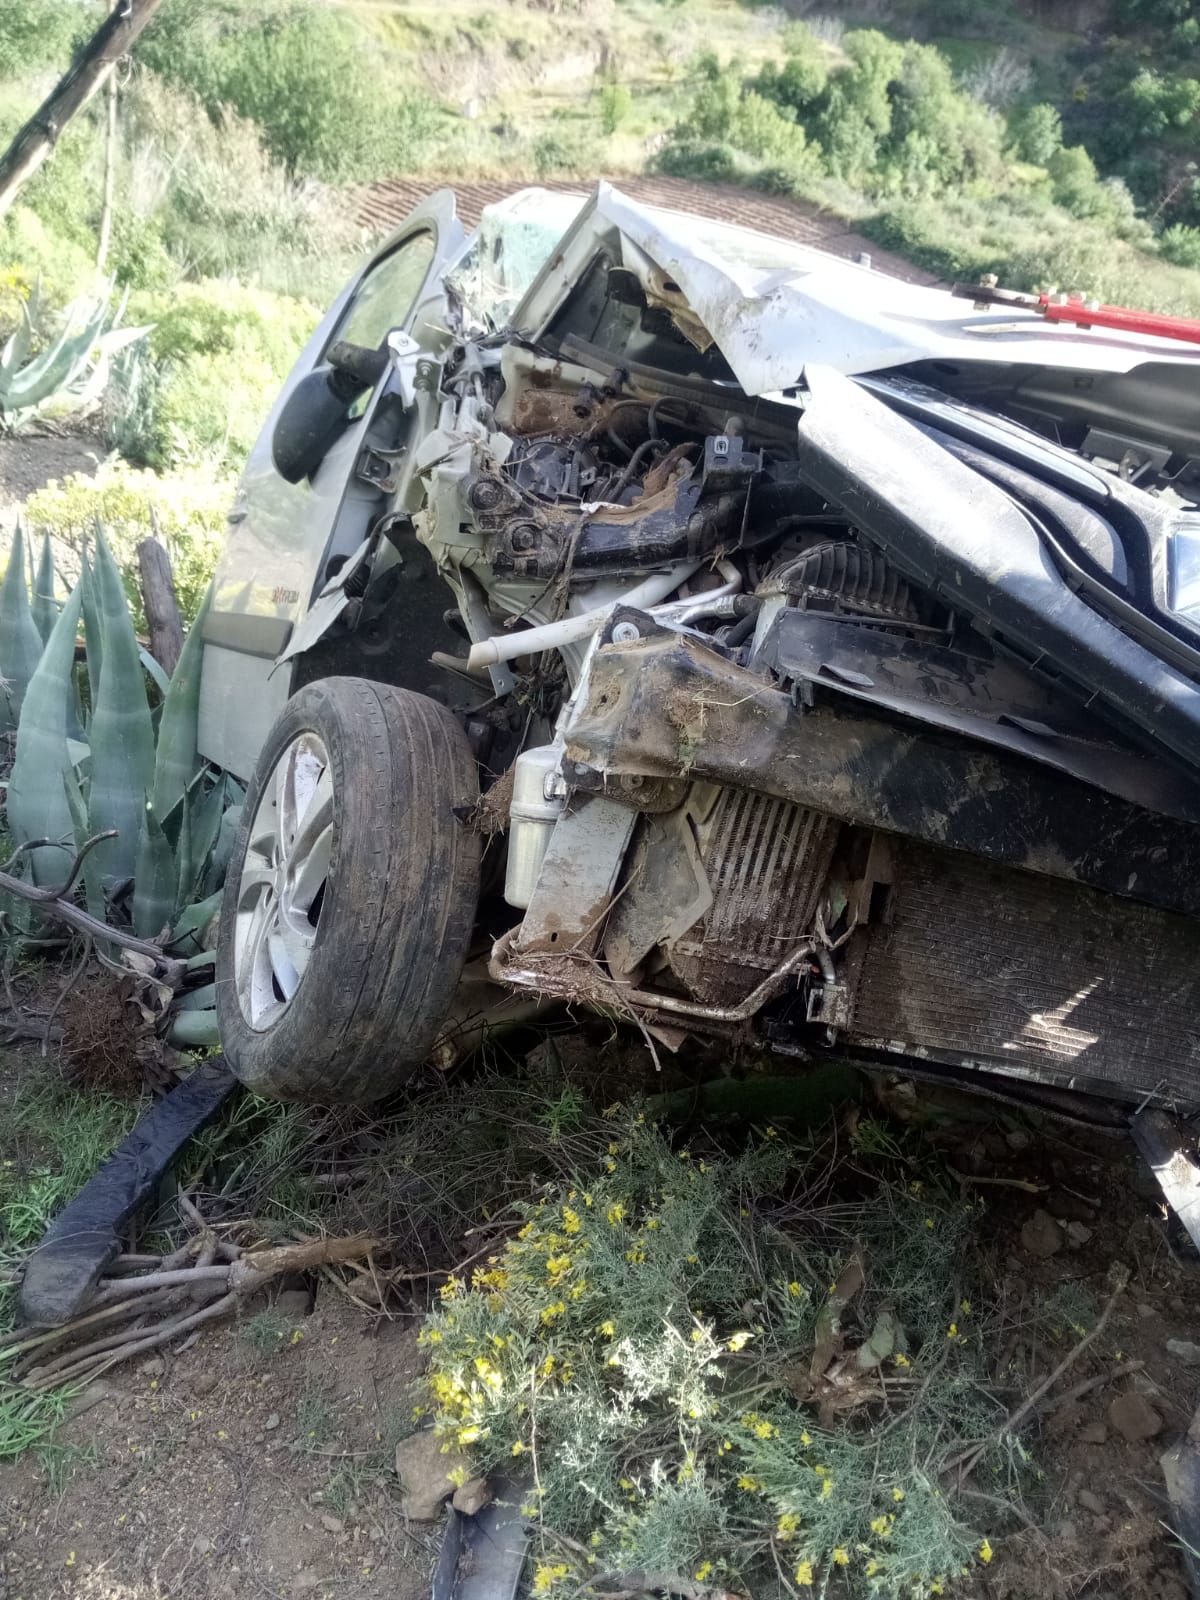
(351, 894)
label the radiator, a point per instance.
(983, 966)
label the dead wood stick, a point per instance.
(1026, 1185)
(22, 1339)
(38, 1379)
(1098, 1382)
(109, 1341)
(166, 1280)
(55, 902)
(158, 597)
(964, 1462)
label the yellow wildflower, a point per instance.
(952, 1331)
(806, 1438)
(827, 1489)
(788, 1526)
(764, 1429)
(882, 1526)
(518, 1448)
(748, 1483)
(616, 1213)
(841, 1556)
(704, 1570)
(557, 1265)
(572, 1222)
(608, 1329)
(548, 1575)
(986, 1552)
(796, 1290)
(902, 1360)
(739, 1341)
(897, 1494)
(553, 1311)
(804, 1574)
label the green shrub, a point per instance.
(616, 102)
(218, 355)
(1037, 134)
(637, 1347)
(39, 33)
(189, 507)
(209, 190)
(309, 76)
(1181, 246)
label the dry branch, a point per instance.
(191, 1295)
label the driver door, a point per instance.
(283, 536)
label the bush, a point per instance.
(38, 33)
(307, 75)
(1181, 246)
(616, 102)
(642, 1340)
(209, 194)
(189, 505)
(1037, 134)
(218, 353)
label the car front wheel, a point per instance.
(351, 894)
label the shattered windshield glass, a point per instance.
(513, 243)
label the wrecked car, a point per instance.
(643, 613)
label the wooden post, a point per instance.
(162, 608)
(110, 164)
(74, 90)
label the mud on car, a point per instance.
(643, 612)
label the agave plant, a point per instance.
(21, 640)
(136, 772)
(72, 370)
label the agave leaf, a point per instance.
(177, 760)
(93, 889)
(223, 849)
(16, 350)
(37, 796)
(59, 364)
(202, 999)
(183, 851)
(192, 922)
(204, 826)
(162, 682)
(20, 641)
(194, 1030)
(42, 602)
(121, 733)
(154, 880)
(93, 637)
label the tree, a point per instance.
(1038, 134)
(89, 73)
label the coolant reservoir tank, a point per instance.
(538, 800)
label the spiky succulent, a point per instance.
(71, 371)
(173, 814)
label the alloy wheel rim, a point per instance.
(283, 880)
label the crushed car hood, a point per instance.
(772, 305)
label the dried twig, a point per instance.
(965, 1461)
(56, 902)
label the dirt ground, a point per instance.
(257, 1460)
(228, 1471)
(32, 459)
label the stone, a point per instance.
(470, 1498)
(1090, 1501)
(201, 1545)
(1184, 1350)
(1078, 1234)
(1134, 1418)
(1093, 1433)
(332, 1524)
(425, 1474)
(271, 1423)
(1041, 1235)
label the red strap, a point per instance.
(1151, 322)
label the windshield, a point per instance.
(511, 246)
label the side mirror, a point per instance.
(318, 408)
(312, 418)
